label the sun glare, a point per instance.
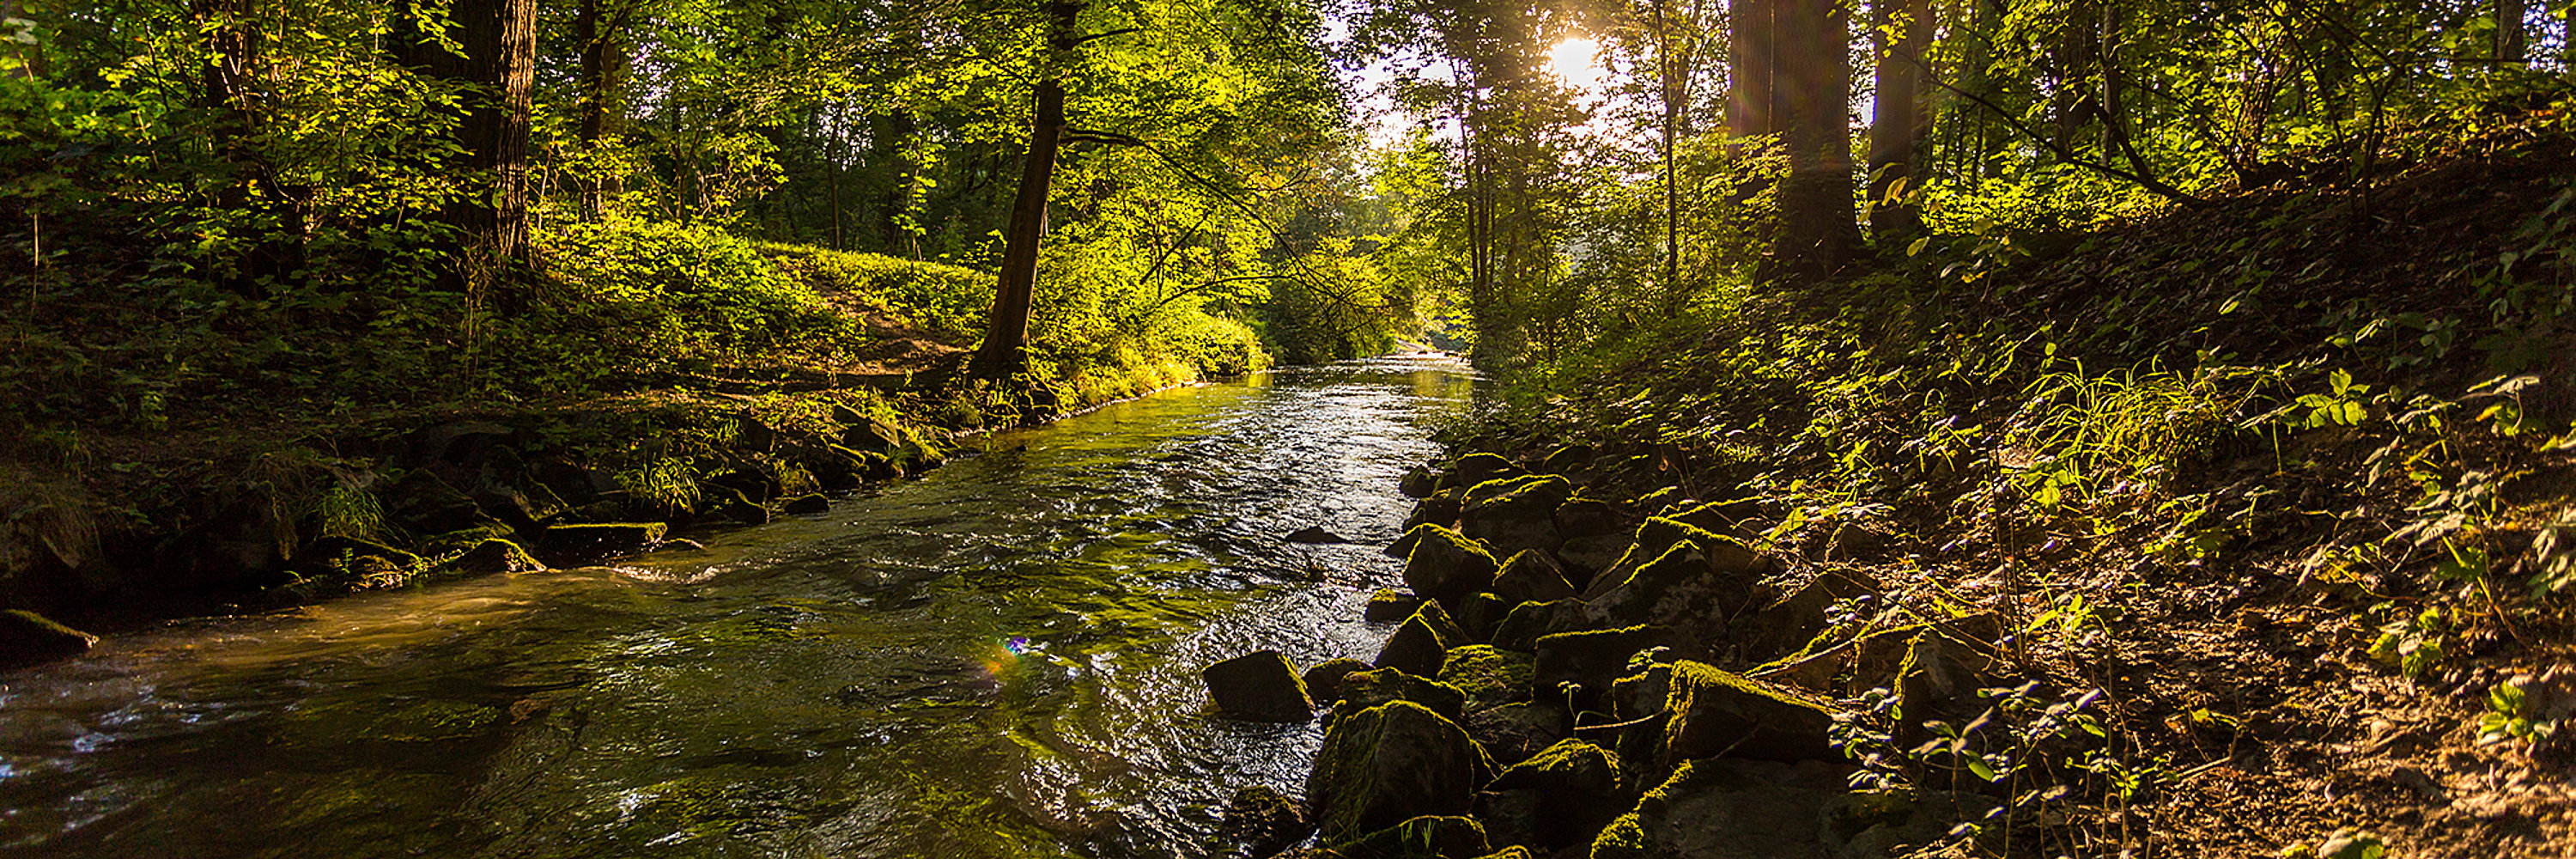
(1571, 62)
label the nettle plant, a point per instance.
(2043, 754)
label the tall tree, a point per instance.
(486, 49)
(1811, 92)
(1751, 43)
(2509, 41)
(1901, 29)
(1006, 337)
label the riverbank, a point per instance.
(214, 495)
(2128, 548)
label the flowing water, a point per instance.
(999, 659)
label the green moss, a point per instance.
(1488, 675)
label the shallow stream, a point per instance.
(999, 659)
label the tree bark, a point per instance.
(1898, 119)
(2509, 43)
(495, 71)
(1751, 37)
(1005, 351)
(1813, 91)
(603, 71)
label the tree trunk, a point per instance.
(1898, 119)
(2509, 47)
(1751, 36)
(603, 71)
(1006, 341)
(1813, 88)
(1675, 80)
(495, 73)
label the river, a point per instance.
(997, 660)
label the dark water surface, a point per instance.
(1000, 659)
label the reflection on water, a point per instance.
(998, 660)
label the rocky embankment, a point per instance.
(1600, 676)
(514, 493)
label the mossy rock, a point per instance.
(1444, 563)
(1260, 820)
(1389, 604)
(1513, 732)
(1532, 576)
(1441, 509)
(1572, 791)
(28, 638)
(1658, 536)
(1518, 513)
(1478, 615)
(1324, 680)
(1418, 482)
(1416, 647)
(1364, 689)
(1521, 628)
(1729, 809)
(1681, 589)
(1477, 468)
(1593, 659)
(1261, 686)
(572, 545)
(1427, 837)
(1488, 675)
(806, 505)
(1388, 764)
(1717, 712)
(495, 555)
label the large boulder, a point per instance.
(1531, 576)
(1586, 558)
(1567, 793)
(1444, 564)
(1388, 764)
(1731, 809)
(1685, 588)
(28, 638)
(1714, 712)
(1365, 689)
(1261, 686)
(1522, 627)
(1517, 513)
(1489, 676)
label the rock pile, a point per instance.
(1570, 677)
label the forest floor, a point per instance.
(2287, 482)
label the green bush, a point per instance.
(945, 301)
(658, 293)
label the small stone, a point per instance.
(1261, 686)
(806, 505)
(1388, 605)
(1262, 820)
(1316, 534)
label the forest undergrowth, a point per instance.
(2272, 501)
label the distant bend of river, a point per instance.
(998, 660)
